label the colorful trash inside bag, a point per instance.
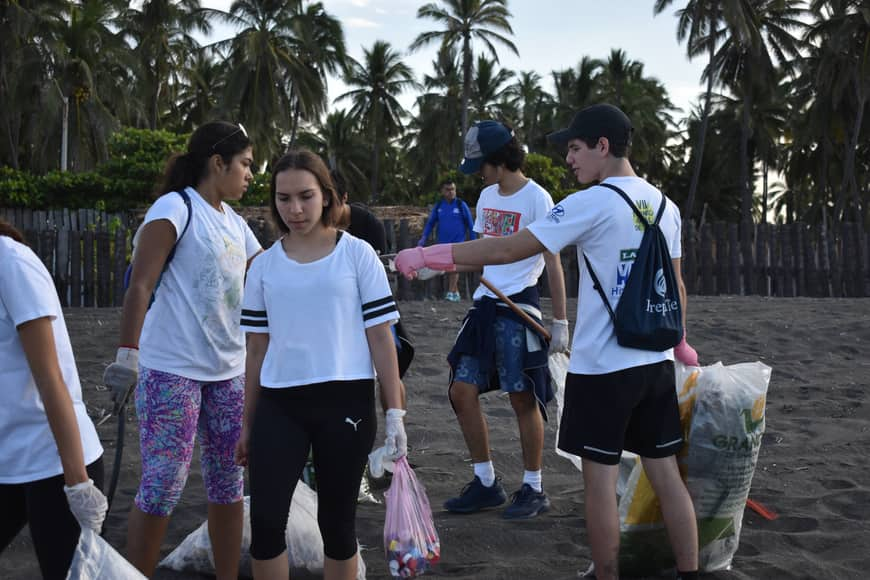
(722, 414)
(411, 543)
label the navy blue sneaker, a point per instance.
(475, 496)
(526, 503)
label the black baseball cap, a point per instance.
(595, 121)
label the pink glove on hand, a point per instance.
(686, 354)
(437, 257)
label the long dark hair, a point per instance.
(189, 168)
(312, 163)
(8, 230)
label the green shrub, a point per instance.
(18, 189)
(549, 176)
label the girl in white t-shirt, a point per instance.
(317, 312)
(49, 444)
(190, 258)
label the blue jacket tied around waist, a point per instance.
(477, 339)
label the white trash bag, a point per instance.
(304, 544)
(558, 363)
(95, 559)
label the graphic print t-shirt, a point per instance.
(192, 329)
(504, 215)
(604, 228)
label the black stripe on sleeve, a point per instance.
(255, 323)
(376, 303)
(254, 313)
(381, 312)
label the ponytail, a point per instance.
(181, 171)
(190, 168)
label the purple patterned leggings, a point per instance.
(173, 411)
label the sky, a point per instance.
(549, 34)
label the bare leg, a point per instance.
(677, 509)
(340, 569)
(602, 517)
(531, 426)
(145, 535)
(277, 568)
(466, 402)
(225, 532)
(453, 282)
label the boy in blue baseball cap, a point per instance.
(494, 350)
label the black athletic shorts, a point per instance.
(634, 409)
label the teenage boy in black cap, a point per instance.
(494, 350)
(615, 397)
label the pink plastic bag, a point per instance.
(411, 543)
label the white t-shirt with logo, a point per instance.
(317, 313)
(602, 226)
(192, 329)
(504, 215)
(28, 451)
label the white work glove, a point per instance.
(121, 375)
(87, 504)
(559, 336)
(396, 443)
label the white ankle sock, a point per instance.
(533, 478)
(486, 473)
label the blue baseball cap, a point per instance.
(482, 140)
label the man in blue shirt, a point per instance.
(453, 218)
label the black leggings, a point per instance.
(337, 422)
(42, 504)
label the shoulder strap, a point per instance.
(189, 205)
(630, 203)
(597, 285)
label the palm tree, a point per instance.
(488, 90)
(844, 29)
(161, 30)
(338, 141)
(28, 33)
(698, 23)
(757, 36)
(529, 99)
(374, 99)
(86, 47)
(464, 21)
(432, 138)
(198, 95)
(261, 61)
(320, 50)
(575, 89)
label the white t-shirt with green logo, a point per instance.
(602, 226)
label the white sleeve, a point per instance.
(564, 224)
(170, 207)
(254, 315)
(478, 213)
(676, 248)
(543, 205)
(26, 288)
(376, 297)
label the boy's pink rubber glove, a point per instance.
(686, 354)
(437, 257)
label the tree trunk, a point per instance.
(746, 192)
(702, 137)
(294, 126)
(466, 81)
(849, 185)
(765, 171)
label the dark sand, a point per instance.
(813, 466)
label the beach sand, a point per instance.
(813, 466)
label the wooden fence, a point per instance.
(87, 251)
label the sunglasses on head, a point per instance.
(241, 130)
